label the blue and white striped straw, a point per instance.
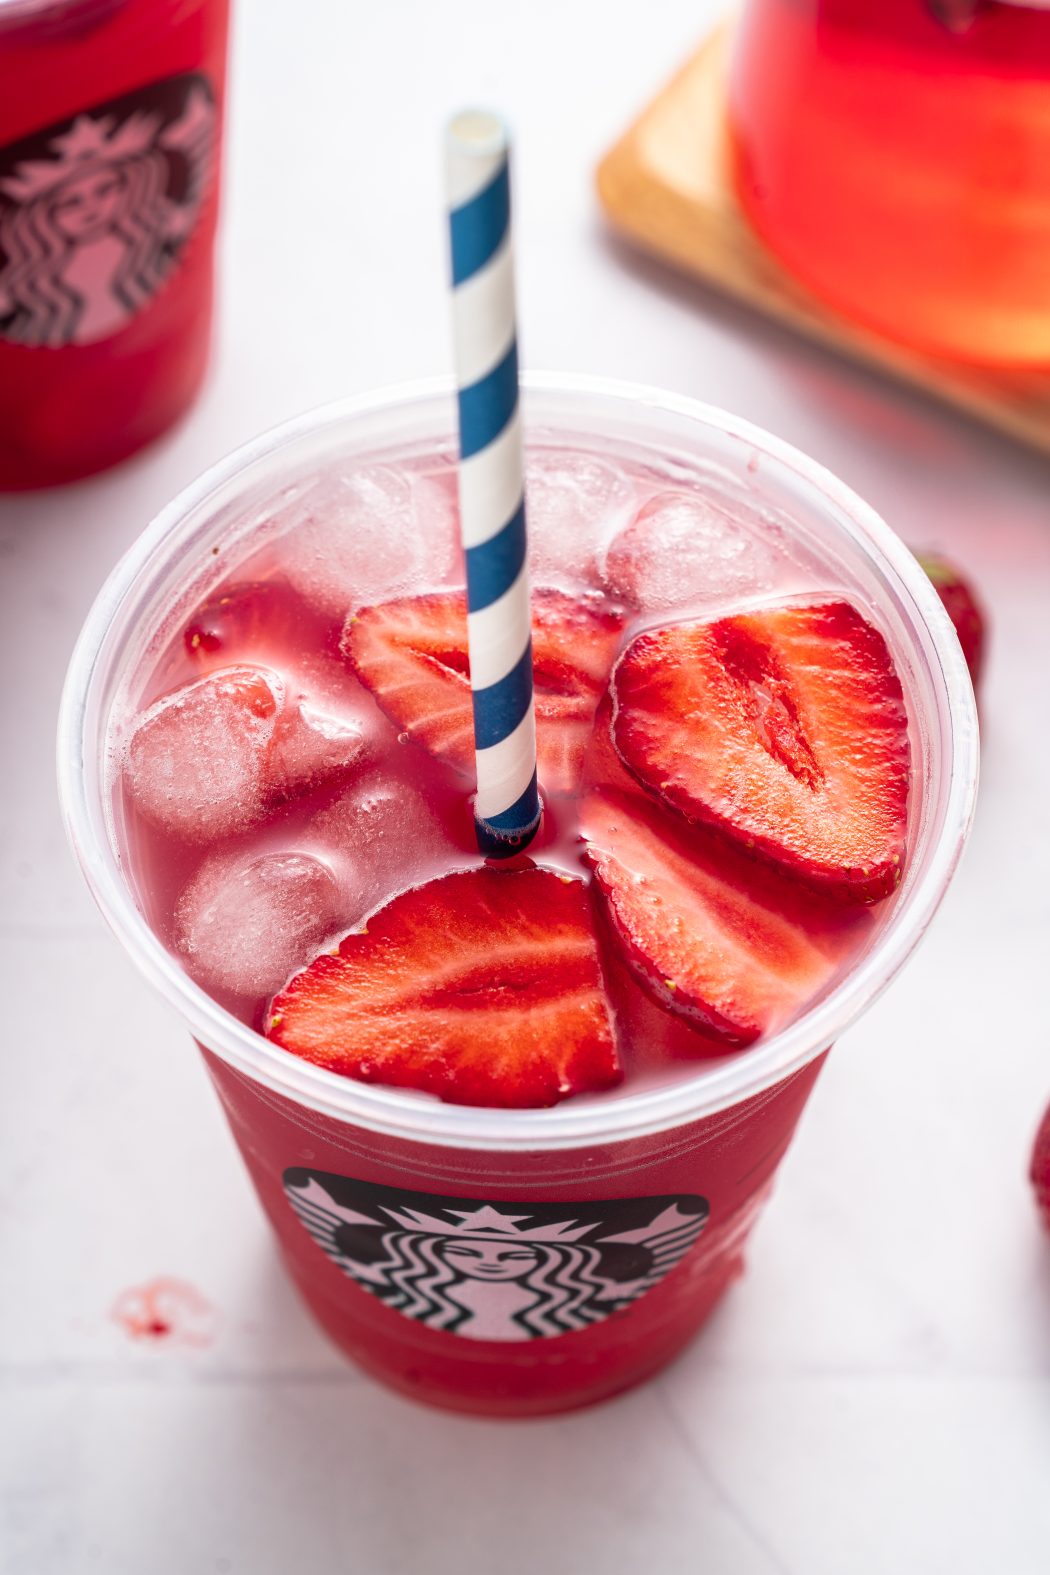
(491, 483)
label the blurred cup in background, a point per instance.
(895, 155)
(110, 134)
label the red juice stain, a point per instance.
(165, 1309)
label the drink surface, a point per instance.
(278, 792)
(894, 153)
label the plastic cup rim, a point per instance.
(385, 1111)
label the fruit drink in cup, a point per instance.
(512, 1124)
(110, 136)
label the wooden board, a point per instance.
(666, 186)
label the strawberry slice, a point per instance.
(482, 987)
(785, 729)
(727, 943)
(241, 619)
(574, 641)
(962, 606)
(412, 655)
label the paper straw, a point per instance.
(491, 483)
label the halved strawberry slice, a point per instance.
(785, 729)
(712, 935)
(482, 987)
(412, 655)
(574, 641)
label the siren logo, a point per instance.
(95, 211)
(495, 1271)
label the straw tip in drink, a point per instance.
(479, 133)
(495, 844)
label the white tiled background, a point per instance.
(875, 1396)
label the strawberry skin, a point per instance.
(785, 730)
(482, 987)
(412, 655)
(1039, 1172)
(962, 607)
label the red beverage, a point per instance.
(282, 730)
(110, 143)
(894, 153)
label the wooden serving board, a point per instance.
(666, 186)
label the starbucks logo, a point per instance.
(495, 1270)
(95, 211)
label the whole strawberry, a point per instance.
(962, 607)
(1039, 1173)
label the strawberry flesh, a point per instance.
(783, 729)
(482, 987)
(725, 942)
(412, 655)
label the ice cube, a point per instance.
(371, 534)
(196, 759)
(574, 503)
(683, 549)
(309, 747)
(380, 837)
(322, 732)
(246, 923)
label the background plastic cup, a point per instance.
(110, 140)
(893, 154)
(530, 1261)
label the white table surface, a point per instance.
(875, 1395)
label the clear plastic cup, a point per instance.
(519, 1262)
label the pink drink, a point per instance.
(499, 1260)
(261, 847)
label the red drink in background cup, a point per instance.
(110, 140)
(504, 1261)
(894, 154)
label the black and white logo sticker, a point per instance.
(95, 210)
(495, 1270)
